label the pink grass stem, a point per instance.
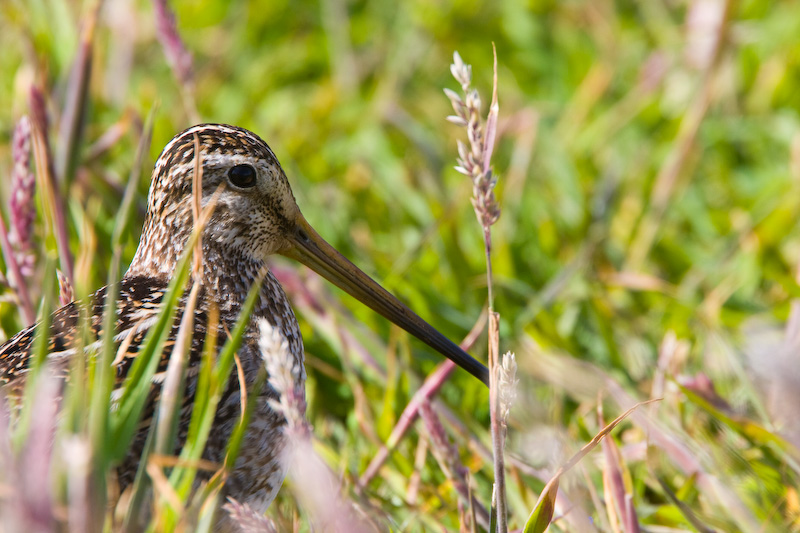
(21, 288)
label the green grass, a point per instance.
(648, 235)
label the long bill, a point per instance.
(310, 249)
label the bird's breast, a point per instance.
(273, 350)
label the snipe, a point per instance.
(255, 216)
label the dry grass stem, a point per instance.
(53, 201)
(447, 456)
(242, 386)
(171, 461)
(66, 293)
(617, 498)
(163, 488)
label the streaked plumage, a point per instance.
(248, 224)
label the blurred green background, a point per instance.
(648, 157)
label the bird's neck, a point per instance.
(228, 274)
(161, 244)
(228, 277)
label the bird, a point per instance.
(254, 216)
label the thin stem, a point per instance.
(497, 426)
(75, 101)
(52, 198)
(475, 163)
(487, 240)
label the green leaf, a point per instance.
(542, 514)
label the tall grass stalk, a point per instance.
(475, 162)
(52, 198)
(76, 100)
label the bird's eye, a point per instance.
(243, 176)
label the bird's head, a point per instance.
(254, 209)
(254, 216)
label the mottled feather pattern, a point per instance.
(139, 299)
(245, 227)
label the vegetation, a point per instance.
(647, 158)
